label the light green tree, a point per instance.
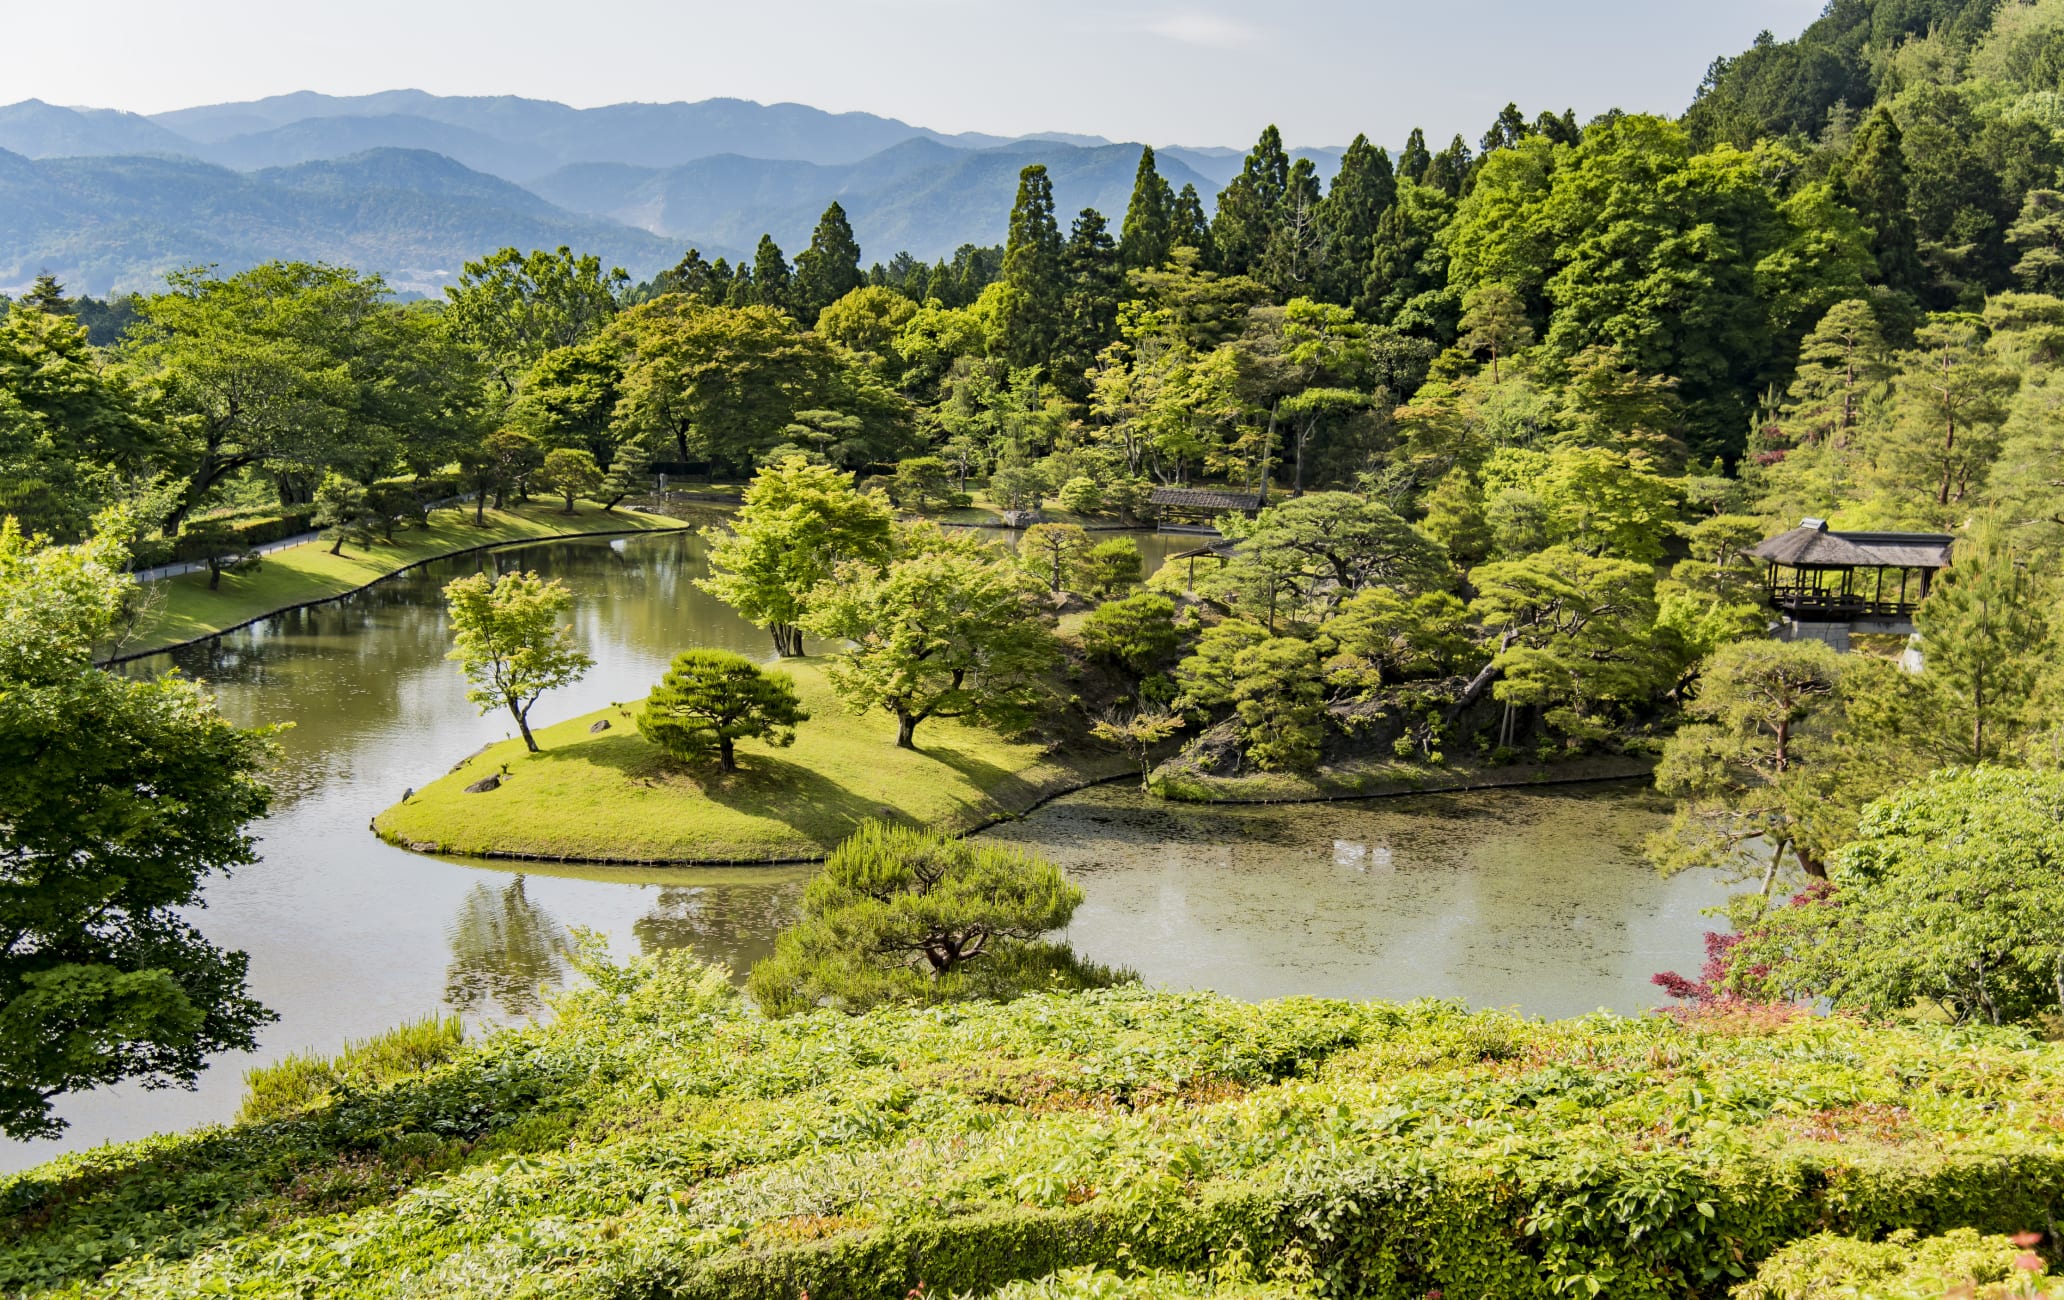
(342, 511)
(1986, 641)
(1053, 553)
(571, 473)
(507, 639)
(1950, 896)
(948, 629)
(799, 521)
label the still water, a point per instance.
(1533, 899)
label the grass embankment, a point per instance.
(661, 1139)
(985, 513)
(182, 609)
(615, 797)
(1369, 778)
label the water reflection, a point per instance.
(506, 951)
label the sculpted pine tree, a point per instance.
(1750, 769)
(1986, 640)
(904, 915)
(710, 699)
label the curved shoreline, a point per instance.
(1520, 778)
(678, 527)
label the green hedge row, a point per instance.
(662, 1140)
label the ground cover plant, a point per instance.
(613, 795)
(663, 1139)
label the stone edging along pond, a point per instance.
(1583, 771)
(394, 573)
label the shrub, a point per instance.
(713, 698)
(1080, 496)
(1901, 1267)
(303, 1080)
(913, 915)
(1109, 567)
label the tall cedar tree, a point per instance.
(1293, 261)
(772, 284)
(1452, 169)
(1149, 229)
(1248, 207)
(829, 268)
(1363, 190)
(1089, 316)
(1875, 177)
(1413, 162)
(1033, 274)
(1189, 228)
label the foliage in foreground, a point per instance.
(662, 1139)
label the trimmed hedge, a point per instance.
(1902, 1267)
(662, 1140)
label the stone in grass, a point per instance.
(484, 784)
(603, 725)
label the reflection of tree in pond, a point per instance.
(505, 949)
(732, 924)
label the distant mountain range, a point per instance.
(413, 184)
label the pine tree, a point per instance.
(1249, 206)
(1032, 272)
(1985, 639)
(47, 295)
(829, 268)
(1875, 179)
(1363, 190)
(1148, 232)
(1494, 320)
(771, 282)
(1413, 162)
(1190, 229)
(1840, 361)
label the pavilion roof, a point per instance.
(1205, 499)
(1812, 545)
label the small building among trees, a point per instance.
(1829, 585)
(1202, 505)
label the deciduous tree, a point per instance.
(509, 642)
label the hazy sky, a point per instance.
(1206, 72)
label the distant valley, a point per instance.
(414, 185)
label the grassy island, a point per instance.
(1369, 778)
(613, 796)
(184, 610)
(661, 1138)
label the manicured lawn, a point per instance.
(182, 609)
(613, 797)
(1373, 777)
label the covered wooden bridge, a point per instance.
(1829, 584)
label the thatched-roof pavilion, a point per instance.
(1817, 575)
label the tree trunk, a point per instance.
(569, 503)
(522, 717)
(214, 575)
(726, 759)
(906, 728)
(338, 548)
(480, 508)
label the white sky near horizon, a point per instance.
(1198, 72)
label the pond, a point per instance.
(1535, 899)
